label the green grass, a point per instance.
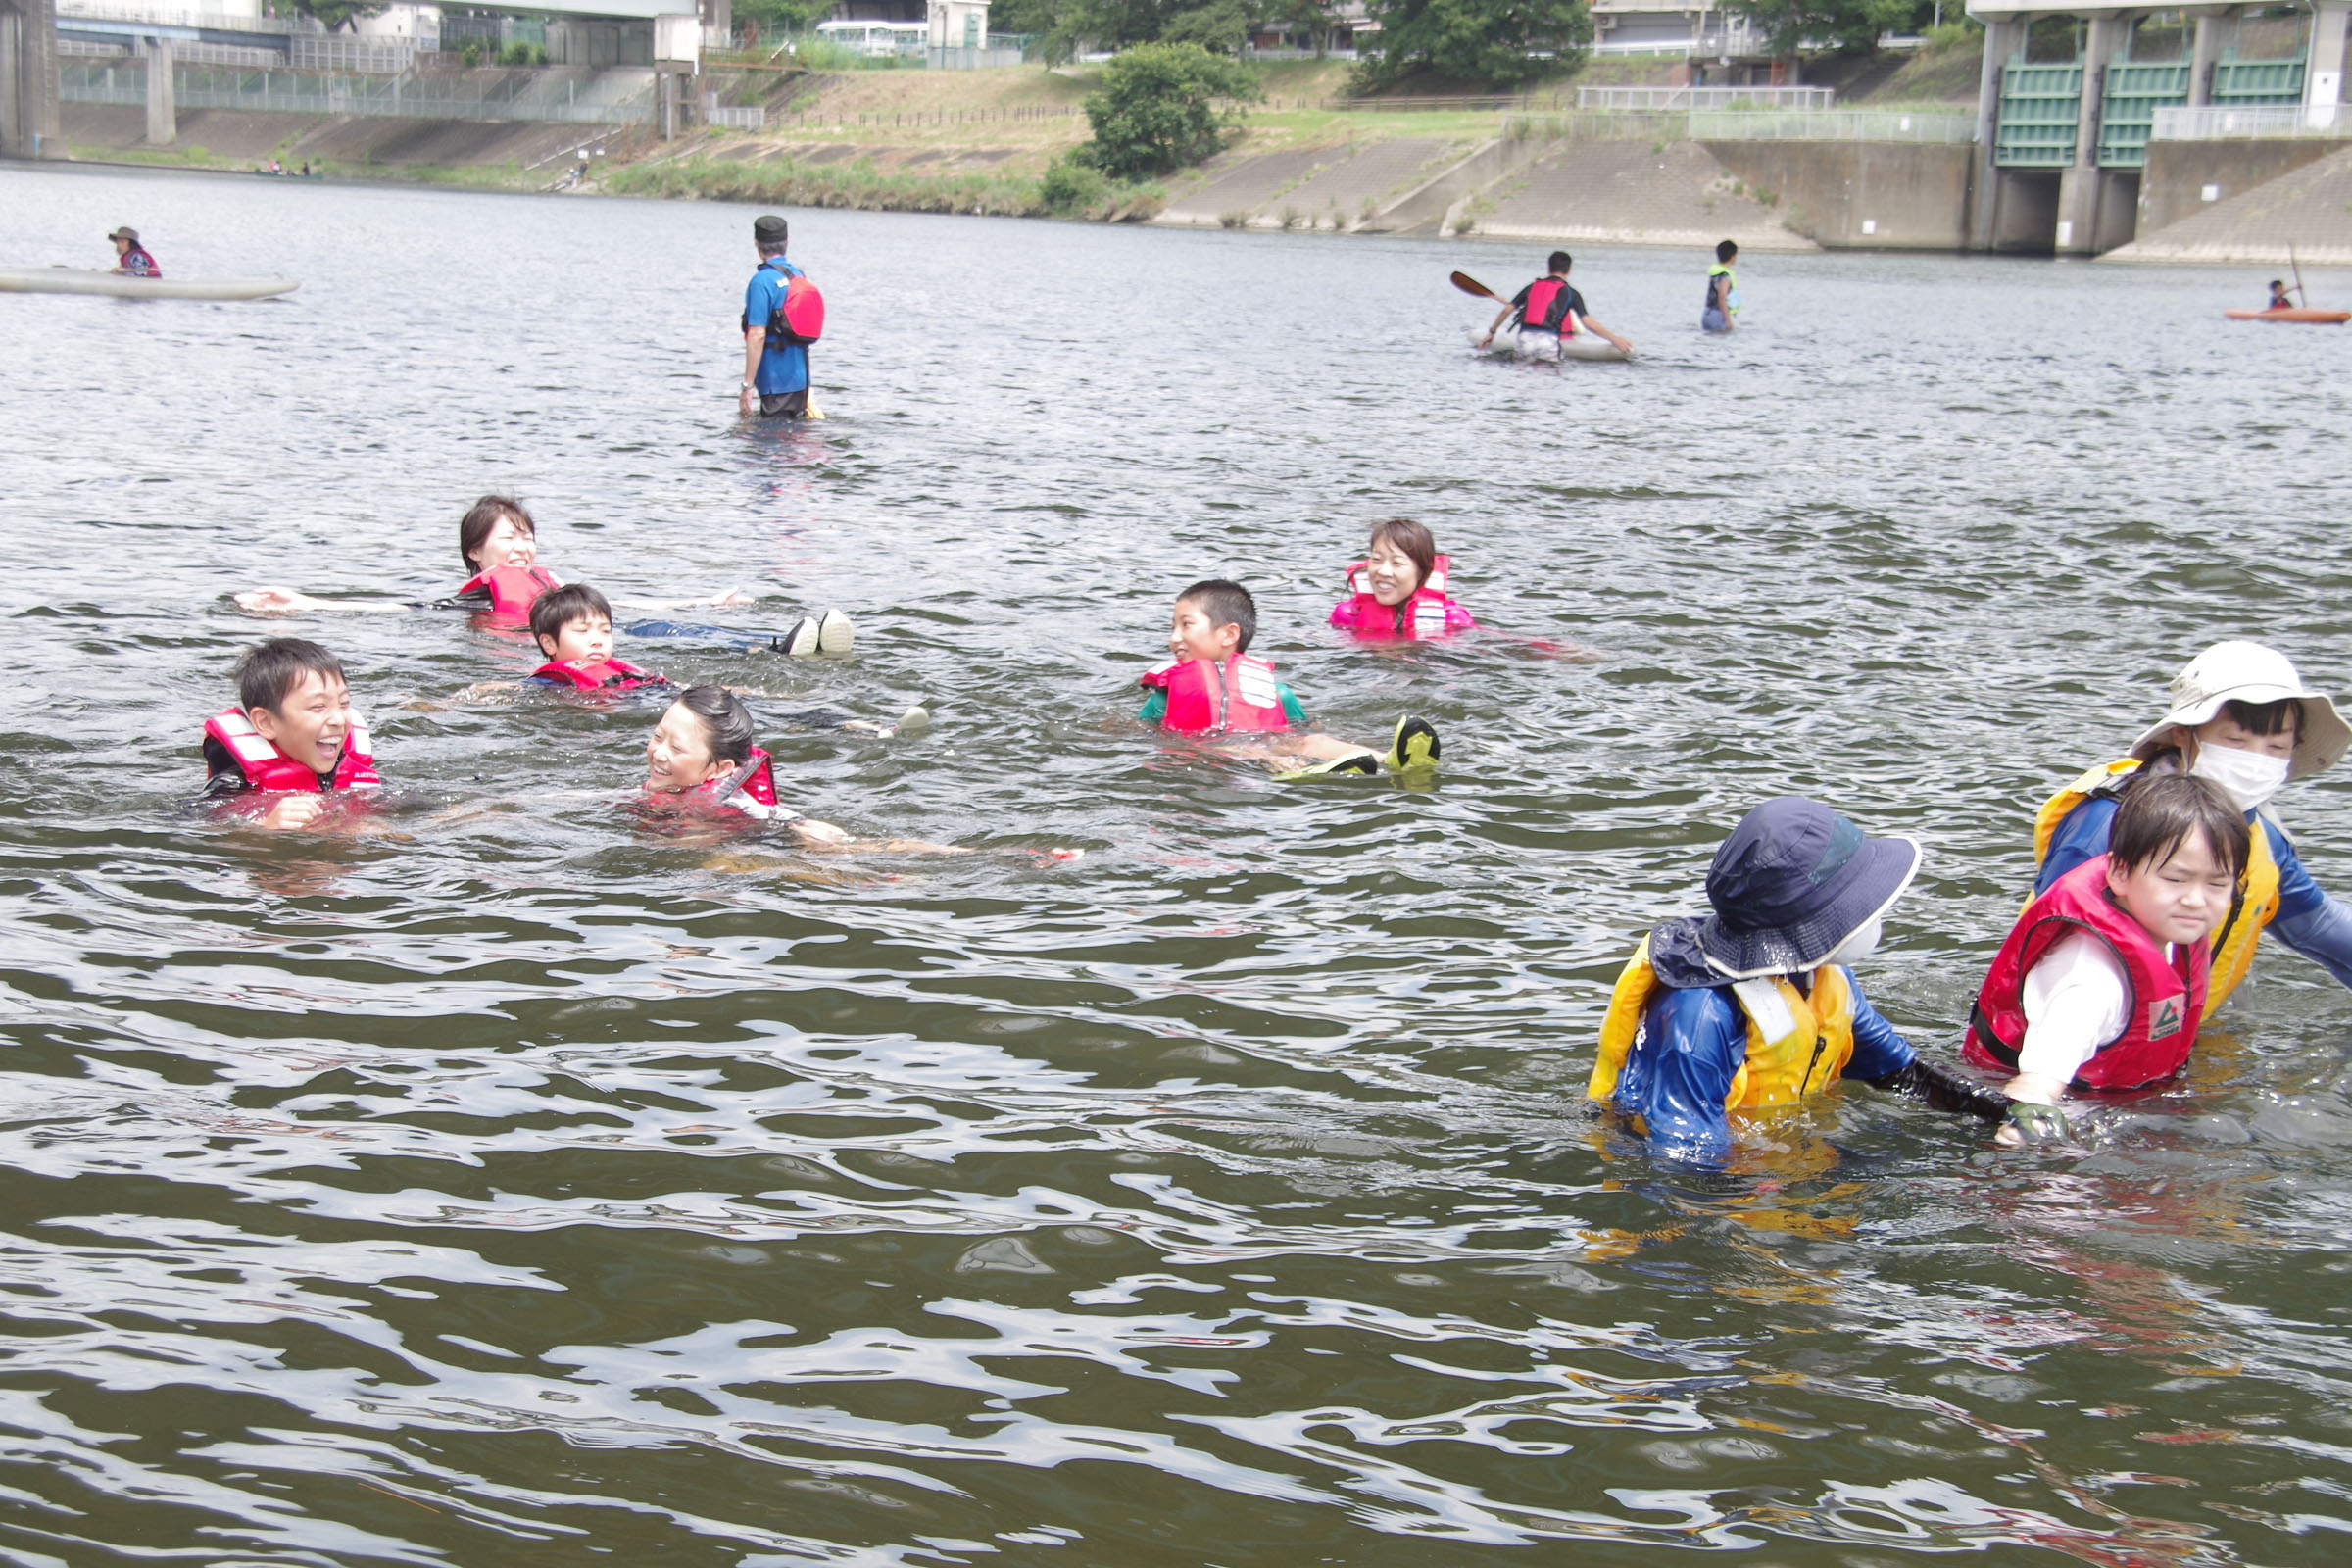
(860, 184)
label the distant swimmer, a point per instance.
(1550, 312)
(130, 257)
(1722, 290)
(782, 314)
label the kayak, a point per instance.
(2292, 312)
(1583, 346)
(75, 281)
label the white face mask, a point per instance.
(2248, 777)
(1854, 949)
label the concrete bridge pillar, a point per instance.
(162, 108)
(2081, 185)
(2001, 40)
(29, 125)
(2201, 61)
(2324, 73)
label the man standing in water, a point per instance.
(129, 257)
(775, 372)
(1549, 310)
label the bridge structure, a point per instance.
(29, 121)
(2074, 93)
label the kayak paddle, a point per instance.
(1471, 285)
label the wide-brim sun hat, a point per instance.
(1791, 883)
(2249, 672)
(126, 232)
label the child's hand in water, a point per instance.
(272, 600)
(733, 596)
(294, 812)
(819, 832)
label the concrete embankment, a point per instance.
(238, 136)
(2270, 200)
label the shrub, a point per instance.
(1158, 109)
(1240, 219)
(1070, 187)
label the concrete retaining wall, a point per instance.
(1871, 195)
(2172, 186)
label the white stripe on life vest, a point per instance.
(1429, 617)
(1257, 684)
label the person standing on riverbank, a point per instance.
(775, 367)
(130, 259)
(1722, 290)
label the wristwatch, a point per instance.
(751, 386)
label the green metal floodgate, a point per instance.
(2249, 83)
(2039, 108)
(2128, 109)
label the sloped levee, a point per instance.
(253, 135)
(1629, 193)
(2309, 209)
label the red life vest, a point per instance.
(510, 589)
(1424, 613)
(1206, 698)
(1547, 296)
(607, 675)
(742, 788)
(2166, 998)
(264, 767)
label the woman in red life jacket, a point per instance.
(500, 546)
(1399, 588)
(2101, 984)
(1213, 685)
(292, 739)
(702, 759)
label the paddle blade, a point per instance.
(1471, 285)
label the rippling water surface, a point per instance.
(519, 1186)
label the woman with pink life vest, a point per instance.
(1549, 310)
(292, 743)
(1212, 685)
(499, 545)
(1398, 589)
(2104, 980)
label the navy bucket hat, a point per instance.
(1794, 881)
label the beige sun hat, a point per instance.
(2249, 672)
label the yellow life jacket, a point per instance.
(2255, 906)
(1795, 1044)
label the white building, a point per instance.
(959, 24)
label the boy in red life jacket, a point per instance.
(2103, 982)
(1212, 685)
(1549, 310)
(292, 739)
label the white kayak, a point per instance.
(77, 280)
(1583, 346)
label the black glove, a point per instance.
(1945, 1088)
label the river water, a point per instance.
(520, 1185)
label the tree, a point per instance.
(332, 14)
(1158, 108)
(1498, 42)
(781, 15)
(1852, 27)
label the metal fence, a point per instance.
(1740, 125)
(1705, 97)
(371, 56)
(753, 119)
(970, 59)
(2219, 124)
(528, 96)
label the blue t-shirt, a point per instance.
(781, 370)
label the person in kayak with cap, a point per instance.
(2243, 718)
(775, 364)
(1755, 1005)
(130, 257)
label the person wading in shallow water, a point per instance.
(776, 354)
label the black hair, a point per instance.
(725, 720)
(1225, 604)
(558, 608)
(1726, 249)
(1560, 261)
(269, 672)
(480, 519)
(2159, 813)
(2282, 718)
(1416, 543)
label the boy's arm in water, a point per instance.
(1884, 1059)
(1625, 345)
(2082, 836)
(274, 600)
(2316, 926)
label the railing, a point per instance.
(164, 16)
(226, 53)
(2218, 124)
(970, 59)
(1935, 128)
(753, 119)
(371, 56)
(1705, 97)
(603, 102)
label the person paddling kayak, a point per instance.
(1550, 310)
(2281, 297)
(130, 259)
